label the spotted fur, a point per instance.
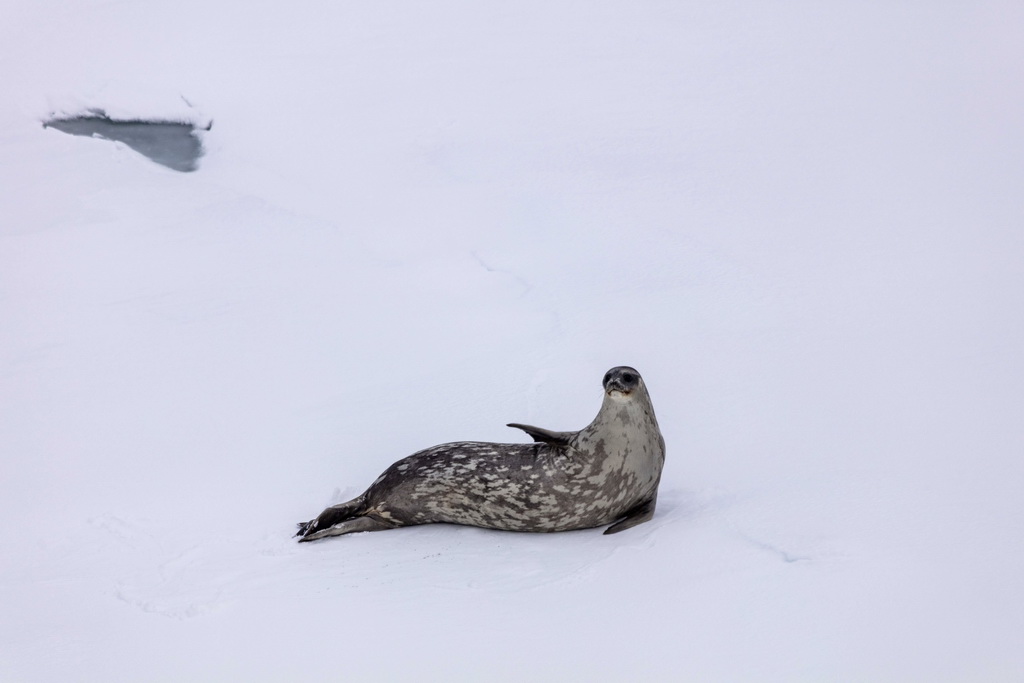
(608, 472)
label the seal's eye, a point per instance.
(607, 377)
(628, 377)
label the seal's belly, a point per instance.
(515, 487)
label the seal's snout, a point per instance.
(616, 385)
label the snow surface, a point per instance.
(416, 222)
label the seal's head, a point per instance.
(621, 382)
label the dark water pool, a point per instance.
(169, 143)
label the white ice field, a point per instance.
(416, 222)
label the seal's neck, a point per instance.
(631, 412)
(624, 438)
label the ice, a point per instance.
(416, 223)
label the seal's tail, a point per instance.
(336, 514)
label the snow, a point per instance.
(416, 222)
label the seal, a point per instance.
(606, 473)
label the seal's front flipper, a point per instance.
(545, 435)
(637, 515)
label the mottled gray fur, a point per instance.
(606, 473)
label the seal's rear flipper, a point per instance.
(349, 526)
(545, 435)
(331, 516)
(637, 515)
